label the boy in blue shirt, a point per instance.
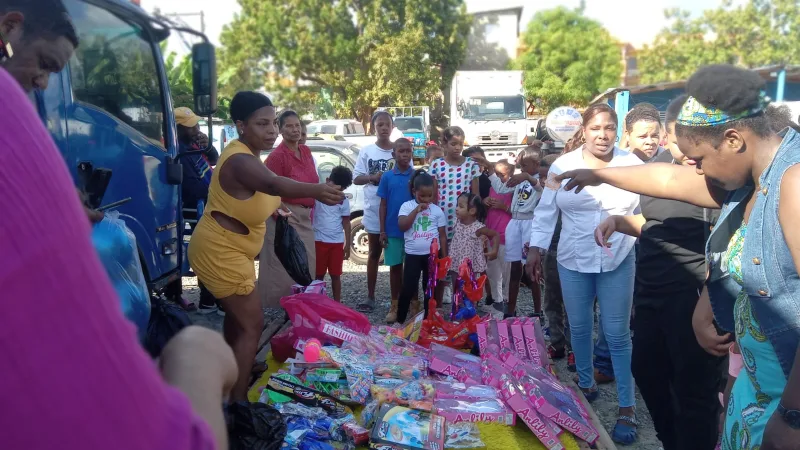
(393, 191)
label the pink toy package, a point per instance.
(502, 335)
(488, 340)
(461, 391)
(462, 366)
(537, 328)
(519, 339)
(535, 350)
(492, 369)
(487, 410)
(316, 287)
(556, 402)
(541, 427)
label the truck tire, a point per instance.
(359, 243)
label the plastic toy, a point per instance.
(311, 350)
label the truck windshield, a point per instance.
(492, 108)
(410, 124)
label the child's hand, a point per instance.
(422, 207)
(346, 251)
(384, 240)
(489, 202)
(518, 179)
(375, 178)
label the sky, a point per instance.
(634, 21)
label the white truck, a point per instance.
(492, 110)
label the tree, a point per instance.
(364, 53)
(568, 59)
(757, 33)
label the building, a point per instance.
(494, 40)
(630, 69)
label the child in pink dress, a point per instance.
(469, 235)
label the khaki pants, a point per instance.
(499, 273)
(273, 281)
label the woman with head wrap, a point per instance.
(243, 193)
(740, 164)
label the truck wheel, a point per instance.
(359, 242)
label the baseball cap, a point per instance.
(185, 117)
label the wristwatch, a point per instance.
(790, 416)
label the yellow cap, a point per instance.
(185, 117)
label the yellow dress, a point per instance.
(222, 259)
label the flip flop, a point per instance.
(367, 306)
(625, 432)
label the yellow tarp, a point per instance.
(496, 436)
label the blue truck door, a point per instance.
(116, 111)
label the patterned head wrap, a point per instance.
(694, 114)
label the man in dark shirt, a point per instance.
(196, 157)
(678, 380)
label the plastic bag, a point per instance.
(306, 311)
(116, 245)
(166, 320)
(291, 252)
(254, 426)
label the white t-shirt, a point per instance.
(371, 160)
(328, 221)
(424, 229)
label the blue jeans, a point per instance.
(614, 292)
(602, 357)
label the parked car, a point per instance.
(351, 130)
(327, 155)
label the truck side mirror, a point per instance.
(204, 79)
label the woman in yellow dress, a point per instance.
(242, 195)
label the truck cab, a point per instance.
(110, 111)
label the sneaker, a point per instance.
(489, 301)
(571, 362)
(499, 306)
(207, 309)
(367, 306)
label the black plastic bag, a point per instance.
(166, 320)
(291, 252)
(254, 426)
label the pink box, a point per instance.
(533, 347)
(463, 367)
(519, 339)
(502, 334)
(541, 427)
(486, 410)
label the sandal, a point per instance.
(591, 393)
(625, 431)
(366, 306)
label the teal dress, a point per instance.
(758, 389)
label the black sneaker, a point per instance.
(489, 301)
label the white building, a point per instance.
(495, 36)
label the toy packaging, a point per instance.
(461, 391)
(487, 410)
(396, 366)
(406, 428)
(535, 350)
(540, 426)
(519, 339)
(316, 287)
(463, 435)
(359, 381)
(463, 367)
(307, 396)
(403, 393)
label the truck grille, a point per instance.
(497, 139)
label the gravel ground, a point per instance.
(354, 289)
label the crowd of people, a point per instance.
(687, 236)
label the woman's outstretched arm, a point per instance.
(661, 180)
(70, 359)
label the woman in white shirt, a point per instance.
(585, 269)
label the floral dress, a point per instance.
(466, 244)
(758, 389)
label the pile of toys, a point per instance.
(383, 389)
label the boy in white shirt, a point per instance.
(332, 233)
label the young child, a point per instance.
(394, 192)
(470, 234)
(527, 191)
(332, 233)
(483, 180)
(421, 221)
(453, 175)
(498, 215)
(373, 161)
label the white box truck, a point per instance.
(491, 108)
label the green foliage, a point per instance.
(757, 33)
(361, 53)
(179, 74)
(569, 59)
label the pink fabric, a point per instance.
(497, 219)
(735, 363)
(72, 373)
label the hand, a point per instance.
(490, 255)
(375, 178)
(330, 195)
(604, 231)
(198, 355)
(384, 239)
(422, 207)
(710, 340)
(534, 265)
(579, 179)
(93, 215)
(488, 202)
(202, 141)
(346, 251)
(778, 435)
(517, 179)
(282, 211)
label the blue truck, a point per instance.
(111, 114)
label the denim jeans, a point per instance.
(614, 292)
(602, 356)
